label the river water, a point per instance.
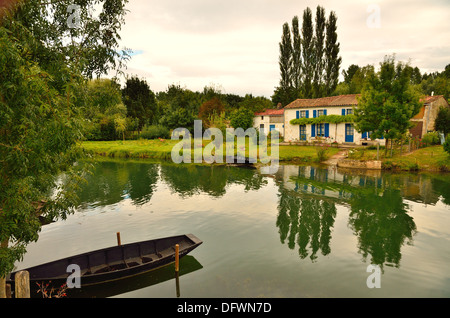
(304, 231)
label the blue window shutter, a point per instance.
(364, 134)
(307, 114)
(327, 130)
(325, 112)
(343, 111)
(314, 113)
(313, 130)
(297, 114)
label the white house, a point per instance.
(342, 132)
(270, 119)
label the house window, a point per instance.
(303, 114)
(349, 111)
(320, 112)
(262, 117)
(302, 134)
(349, 130)
(320, 130)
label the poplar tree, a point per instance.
(285, 60)
(296, 57)
(332, 59)
(319, 42)
(285, 92)
(307, 53)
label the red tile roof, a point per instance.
(341, 100)
(271, 112)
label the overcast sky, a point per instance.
(233, 44)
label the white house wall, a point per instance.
(257, 121)
(292, 132)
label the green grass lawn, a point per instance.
(161, 149)
(430, 158)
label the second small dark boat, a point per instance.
(115, 262)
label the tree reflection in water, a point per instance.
(113, 181)
(307, 199)
(305, 220)
(378, 215)
(382, 224)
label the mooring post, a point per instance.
(177, 283)
(118, 239)
(177, 257)
(22, 288)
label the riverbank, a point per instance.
(424, 159)
(162, 148)
(432, 158)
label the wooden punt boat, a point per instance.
(113, 263)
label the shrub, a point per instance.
(155, 131)
(431, 138)
(321, 152)
(447, 144)
(242, 118)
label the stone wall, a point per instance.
(358, 164)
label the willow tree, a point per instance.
(46, 54)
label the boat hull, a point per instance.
(113, 263)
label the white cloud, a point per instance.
(235, 43)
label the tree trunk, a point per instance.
(3, 244)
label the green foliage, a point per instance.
(285, 92)
(155, 131)
(255, 104)
(332, 59)
(285, 59)
(446, 144)
(442, 121)
(219, 122)
(242, 118)
(321, 152)
(140, 101)
(296, 71)
(431, 139)
(387, 101)
(180, 118)
(104, 110)
(319, 53)
(39, 131)
(354, 79)
(210, 109)
(43, 68)
(284, 96)
(307, 53)
(309, 59)
(177, 107)
(438, 84)
(334, 119)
